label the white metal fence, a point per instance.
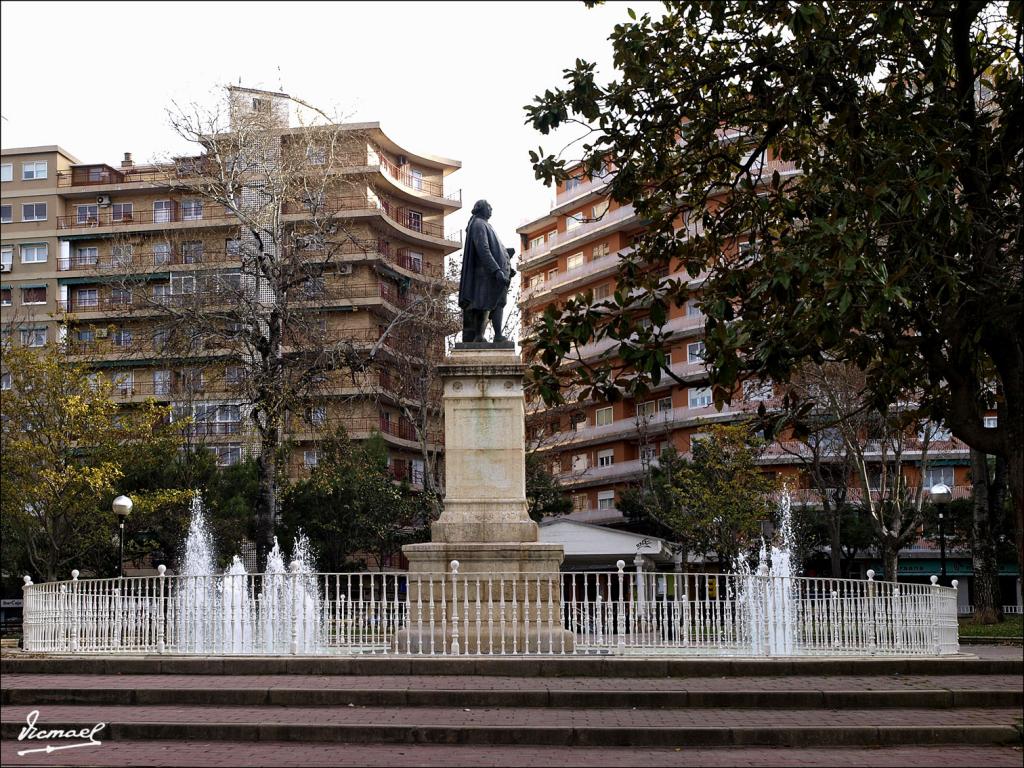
(595, 612)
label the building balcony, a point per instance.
(561, 240)
(686, 325)
(143, 261)
(581, 190)
(813, 497)
(403, 175)
(104, 218)
(603, 265)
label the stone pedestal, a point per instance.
(507, 588)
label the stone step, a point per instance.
(275, 754)
(305, 690)
(524, 666)
(537, 726)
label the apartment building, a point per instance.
(94, 254)
(596, 449)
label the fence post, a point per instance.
(294, 578)
(160, 628)
(455, 607)
(26, 627)
(869, 606)
(74, 610)
(956, 603)
(933, 603)
(621, 564)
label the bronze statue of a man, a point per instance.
(486, 275)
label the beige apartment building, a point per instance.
(92, 251)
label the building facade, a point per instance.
(597, 449)
(102, 257)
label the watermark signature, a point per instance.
(30, 732)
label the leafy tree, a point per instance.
(544, 496)
(350, 505)
(716, 502)
(895, 242)
(65, 443)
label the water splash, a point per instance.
(196, 595)
(197, 557)
(273, 600)
(236, 609)
(304, 595)
(768, 596)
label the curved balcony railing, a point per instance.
(491, 614)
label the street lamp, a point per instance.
(941, 496)
(122, 506)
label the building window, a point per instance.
(316, 156)
(33, 170)
(161, 293)
(124, 383)
(700, 397)
(310, 458)
(34, 295)
(574, 262)
(695, 352)
(191, 210)
(601, 249)
(6, 381)
(935, 433)
(34, 253)
(648, 453)
(603, 416)
(121, 337)
(6, 214)
(192, 252)
(233, 374)
(163, 211)
(162, 253)
(228, 455)
(600, 209)
(693, 309)
(936, 475)
(33, 212)
(87, 297)
(571, 222)
(7, 257)
(537, 242)
(120, 296)
(161, 382)
(122, 255)
(5, 297)
(990, 422)
(86, 336)
(414, 220)
(606, 499)
(580, 462)
(316, 415)
(606, 458)
(33, 337)
(416, 177)
(603, 291)
(573, 182)
(86, 257)
(87, 214)
(552, 274)
(122, 211)
(6, 172)
(233, 248)
(580, 502)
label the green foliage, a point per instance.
(65, 445)
(544, 496)
(351, 506)
(897, 246)
(811, 532)
(715, 503)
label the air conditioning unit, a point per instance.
(103, 200)
(101, 333)
(344, 269)
(403, 160)
(5, 267)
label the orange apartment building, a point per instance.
(71, 232)
(595, 448)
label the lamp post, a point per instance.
(122, 507)
(941, 496)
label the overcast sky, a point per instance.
(442, 78)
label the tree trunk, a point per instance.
(835, 542)
(266, 499)
(987, 601)
(890, 560)
(1015, 478)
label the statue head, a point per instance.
(482, 209)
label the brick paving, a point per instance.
(513, 717)
(193, 754)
